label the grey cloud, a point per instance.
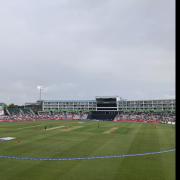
(80, 49)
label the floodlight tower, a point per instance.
(40, 91)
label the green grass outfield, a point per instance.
(75, 139)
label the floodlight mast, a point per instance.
(40, 91)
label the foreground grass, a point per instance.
(87, 140)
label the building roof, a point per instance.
(68, 100)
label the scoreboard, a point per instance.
(106, 104)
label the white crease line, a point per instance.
(113, 129)
(72, 128)
(57, 127)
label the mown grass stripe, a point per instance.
(29, 127)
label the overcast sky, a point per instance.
(79, 49)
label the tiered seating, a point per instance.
(84, 116)
(141, 117)
(43, 113)
(14, 111)
(17, 114)
(27, 111)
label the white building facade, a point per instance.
(121, 105)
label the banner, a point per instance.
(1, 112)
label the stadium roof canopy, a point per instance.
(69, 100)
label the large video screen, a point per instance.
(106, 103)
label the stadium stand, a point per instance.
(103, 108)
(145, 117)
(17, 115)
(15, 111)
